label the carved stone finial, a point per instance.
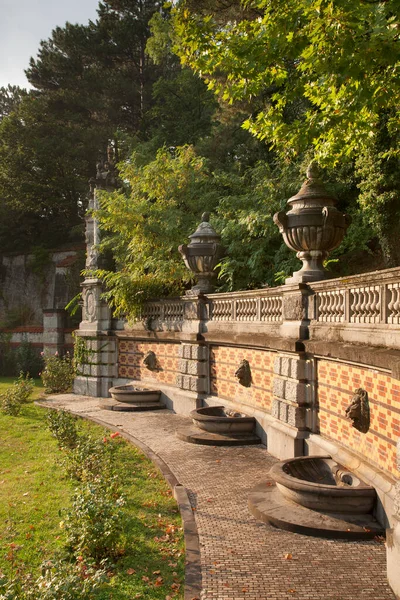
(313, 171)
(150, 361)
(358, 411)
(312, 227)
(202, 255)
(243, 373)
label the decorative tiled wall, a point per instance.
(336, 385)
(130, 361)
(224, 361)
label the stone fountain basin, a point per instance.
(129, 393)
(319, 483)
(217, 419)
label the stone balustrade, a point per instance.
(260, 306)
(368, 298)
(361, 309)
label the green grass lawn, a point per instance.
(33, 491)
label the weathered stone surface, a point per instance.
(187, 351)
(295, 307)
(296, 417)
(199, 352)
(275, 408)
(278, 387)
(292, 390)
(183, 365)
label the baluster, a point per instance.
(376, 305)
(342, 305)
(396, 306)
(367, 305)
(357, 308)
(321, 306)
(328, 308)
(363, 295)
(335, 306)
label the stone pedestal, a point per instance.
(98, 368)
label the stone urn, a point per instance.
(313, 227)
(201, 256)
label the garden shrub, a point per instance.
(95, 523)
(58, 373)
(59, 580)
(16, 395)
(62, 425)
(90, 459)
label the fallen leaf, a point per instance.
(145, 578)
(156, 572)
(175, 586)
(130, 571)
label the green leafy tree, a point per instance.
(315, 76)
(322, 71)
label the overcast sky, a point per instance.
(23, 23)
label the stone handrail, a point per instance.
(362, 309)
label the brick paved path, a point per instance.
(241, 558)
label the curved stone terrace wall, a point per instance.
(310, 347)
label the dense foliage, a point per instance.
(210, 106)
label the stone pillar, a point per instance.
(393, 540)
(292, 405)
(295, 311)
(53, 330)
(95, 344)
(194, 369)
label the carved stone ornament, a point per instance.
(313, 227)
(150, 361)
(202, 255)
(358, 411)
(243, 373)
